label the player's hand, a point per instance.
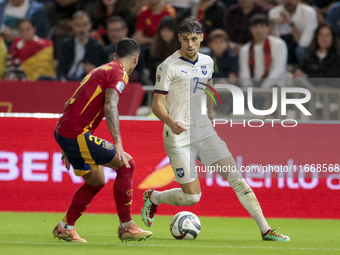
(65, 161)
(121, 154)
(177, 128)
(211, 115)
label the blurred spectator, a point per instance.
(210, 13)
(333, 16)
(13, 11)
(106, 9)
(228, 3)
(263, 59)
(321, 7)
(149, 18)
(59, 10)
(181, 7)
(324, 60)
(81, 53)
(165, 44)
(30, 57)
(269, 4)
(3, 58)
(237, 23)
(225, 61)
(295, 23)
(116, 31)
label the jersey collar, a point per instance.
(187, 60)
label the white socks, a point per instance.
(248, 199)
(65, 226)
(174, 197)
(125, 224)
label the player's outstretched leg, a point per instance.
(94, 182)
(122, 191)
(174, 197)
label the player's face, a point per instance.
(259, 32)
(26, 31)
(116, 32)
(190, 44)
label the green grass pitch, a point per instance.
(30, 233)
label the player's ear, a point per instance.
(114, 55)
(135, 59)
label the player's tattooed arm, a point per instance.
(111, 113)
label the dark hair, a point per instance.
(190, 24)
(80, 14)
(28, 21)
(119, 19)
(335, 44)
(100, 11)
(258, 19)
(159, 49)
(218, 34)
(127, 47)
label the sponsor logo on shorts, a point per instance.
(108, 146)
(180, 172)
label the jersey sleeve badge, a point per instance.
(120, 86)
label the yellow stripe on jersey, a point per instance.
(125, 78)
(86, 129)
(84, 150)
(96, 93)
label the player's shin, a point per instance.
(81, 200)
(248, 199)
(176, 197)
(122, 192)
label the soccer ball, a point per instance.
(185, 225)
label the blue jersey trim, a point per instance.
(187, 60)
(160, 91)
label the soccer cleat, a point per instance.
(272, 235)
(133, 233)
(149, 209)
(67, 235)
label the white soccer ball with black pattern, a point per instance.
(185, 225)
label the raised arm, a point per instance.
(158, 109)
(112, 121)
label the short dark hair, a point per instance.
(190, 24)
(218, 34)
(258, 19)
(119, 19)
(26, 20)
(80, 14)
(127, 47)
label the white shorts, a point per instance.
(183, 159)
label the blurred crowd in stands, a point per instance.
(261, 41)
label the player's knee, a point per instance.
(239, 185)
(190, 199)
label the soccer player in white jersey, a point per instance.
(186, 139)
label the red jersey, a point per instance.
(86, 108)
(148, 22)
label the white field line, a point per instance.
(183, 246)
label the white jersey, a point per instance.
(182, 81)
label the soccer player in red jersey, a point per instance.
(96, 97)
